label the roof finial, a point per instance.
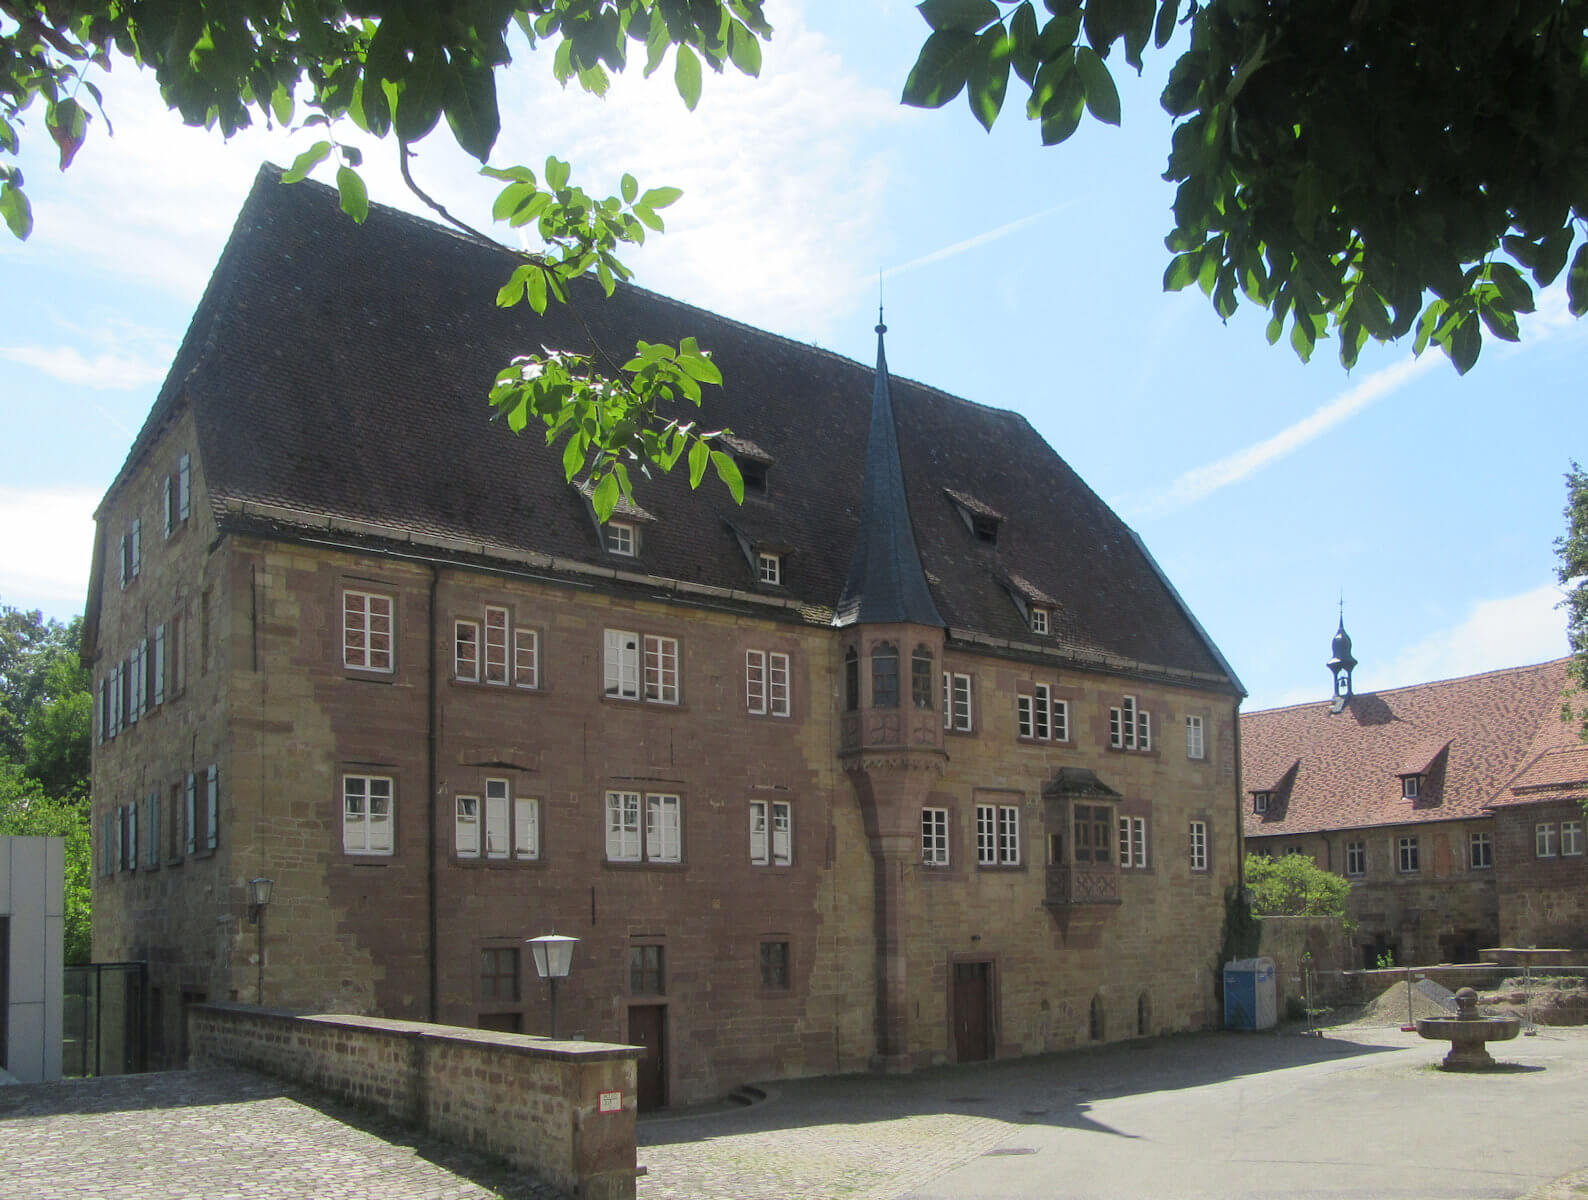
(881, 328)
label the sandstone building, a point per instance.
(1450, 806)
(915, 756)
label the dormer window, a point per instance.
(1260, 802)
(769, 568)
(980, 518)
(753, 472)
(985, 528)
(1411, 786)
(620, 538)
(1039, 620)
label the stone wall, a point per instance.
(1543, 899)
(533, 1102)
(1288, 940)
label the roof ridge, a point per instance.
(1413, 687)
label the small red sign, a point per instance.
(610, 1102)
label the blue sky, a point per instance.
(1015, 276)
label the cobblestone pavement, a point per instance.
(225, 1135)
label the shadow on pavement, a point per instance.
(237, 1088)
(1048, 1089)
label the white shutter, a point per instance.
(758, 843)
(526, 816)
(212, 809)
(466, 837)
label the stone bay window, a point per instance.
(1082, 815)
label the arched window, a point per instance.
(921, 678)
(1097, 1019)
(884, 675)
(851, 679)
(1143, 1015)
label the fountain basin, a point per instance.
(1468, 1033)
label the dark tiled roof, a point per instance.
(340, 371)
(1347, 765)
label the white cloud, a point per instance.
(70, 365)
(1508, 631)
(46, 548)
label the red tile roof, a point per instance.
(1559, 774)
(1494, 725)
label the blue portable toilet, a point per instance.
(1250, 1000)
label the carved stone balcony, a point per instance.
(1070, 885)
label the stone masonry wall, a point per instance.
(1543, 900)
(533, 1102)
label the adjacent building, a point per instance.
(915, 756)
(1450, 806)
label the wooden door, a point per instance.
(972, 1011)
(648, 1028)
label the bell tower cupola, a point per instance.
(1341, 663)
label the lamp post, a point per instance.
(553, 956)
(258, 900)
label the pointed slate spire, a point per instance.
(886, 581)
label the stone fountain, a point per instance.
(1467, 1032)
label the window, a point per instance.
(1133, 842)
(499, 975)
(1260, 802)
(934, 837)
(1571, 838)
(921, 678)
(662, 828)
(997, 835)
(645, 970)
(366, 814)
(1195, 746)
(1407, 855)
(212, 808)
(1480, 851)
(157, 663)
(132, 552)
(184, 487)
(956, 701)
(1093, 833)
(1040, 716)
(1356, 858)
(620, 538)
(885, 675)
(1411, 785)
(109, 828)
(168, 505)
(498, 818)
(766, 682)
(1199, 845)
(366, 631)
(851, 679)
(1129, 728)
(466, 651)
(506, 826)
(622, 666)
(1039, 620)
(129, 837)
(774, 966)
(466, 827)
(526, 658)
(771, 833)
(1544, 840)
(769, 568)
(496, 646)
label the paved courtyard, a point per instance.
(1356, 1113)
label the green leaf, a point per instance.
(699, 456)
(354, 196)
(557, 173)
(650, 218)
(630, 188)
(686, 76)
(306, 162)
(965, 16)
(471, 109)
(728, 471)
(700, 367)
(1163, 29)
(744, 49)
(1102, 98)
(944, 65)
(661, 197)
(281, 104)
(1500, 321)
(1464, 343)
(1023, 32)
(1182, 271)
(989, 76)
(535, 285)
(605, 497)
(1512, 286)
(1302, 336)
(511, 292)
(572, 458)
(17, 211)
(1577, 282)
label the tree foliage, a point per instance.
(1366, 167)
(395, 71)
(27, 811)
(1294, 886)
(1572, 574)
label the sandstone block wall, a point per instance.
(533, 1102)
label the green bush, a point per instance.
(1294, 886)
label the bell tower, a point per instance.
(1341, 664)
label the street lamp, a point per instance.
(553, 956)
(258, 900)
